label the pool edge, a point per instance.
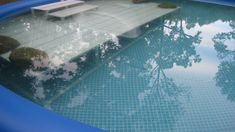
(22, 115)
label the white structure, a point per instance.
(65, 40)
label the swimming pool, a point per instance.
(177, 75)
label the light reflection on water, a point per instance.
(177, 76)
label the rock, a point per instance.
(167, 5)
(26, 57)
(7, 44)
(139, 1)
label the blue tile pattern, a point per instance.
(177, 76)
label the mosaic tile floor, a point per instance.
(176, 76)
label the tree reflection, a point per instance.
(174, 47)
(199, 13)
(161, 49)
(225, 77)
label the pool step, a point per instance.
(73, 11)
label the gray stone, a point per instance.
(167, 5)
(7, 44)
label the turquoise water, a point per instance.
(177, 76)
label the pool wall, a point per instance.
(219, 2)
(22, 6)
(19, 7)
(20, 115)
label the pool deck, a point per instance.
(67, 39)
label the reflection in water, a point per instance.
(174, 48)
(161, 49)
(225, 77)
(64, 72)
(140, 72)
(70, 71)
(123, 83)
(78, 100)
(41, 84)
(166, 52)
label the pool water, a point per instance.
(177, 76)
